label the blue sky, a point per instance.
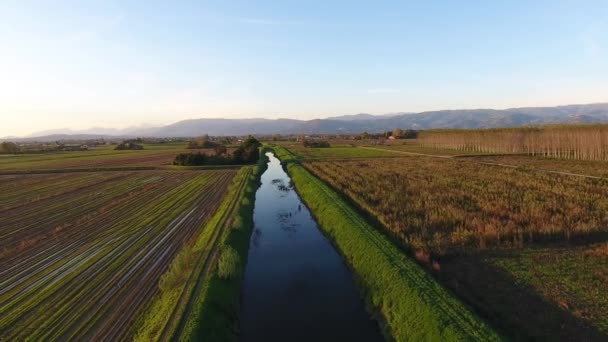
(83, 63)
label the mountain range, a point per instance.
(357, 123)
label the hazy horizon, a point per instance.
(144, 125)
(118, 64)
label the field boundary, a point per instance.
(198, 280)
(185, 308)
(217, 306)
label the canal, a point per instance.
(296, 286)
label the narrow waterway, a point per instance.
(296, 286)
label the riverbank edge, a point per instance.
(216, 317)
(217, 303)
(408, 303)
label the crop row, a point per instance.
(23, 190)
(194, 301)
(101, 252)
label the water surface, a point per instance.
(296, 286)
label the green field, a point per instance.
(105, 241)
(192, 280)
(101, 156)
(338, 152)
(121, 253)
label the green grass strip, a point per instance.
(218, 304)
(177, 281)
(412, 306)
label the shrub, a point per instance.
(9, 147)
(237, 222)
(202, 142)
(316, 143)
(229, 265)
(247, 153)
(129, 145)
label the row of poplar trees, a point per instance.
(584, 142)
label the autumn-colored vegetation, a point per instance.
(522, 244)
(583, 142)
(593, 168)
(445, 205)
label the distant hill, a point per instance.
(97, 131)
(194, 127)
(67, 137)
(474, 118)
(354, 117)
(358, 123)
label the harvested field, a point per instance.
(446, 205)
(584, 167)
(338, 152)
(81, 260)
(418, 149)
(526, 248)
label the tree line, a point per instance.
(582, 142)
(246, 153)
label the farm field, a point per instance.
(153, 155)
(82, 254)
(545, 292)
(446, 210)
(444, 206)
(550, 271)
(337, 152)
(583, 167)
(418, 149)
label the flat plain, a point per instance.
(104, 156)
(82, 253)
(494, 229)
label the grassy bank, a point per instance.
(195, 300)
(217, 306)
(410, 303)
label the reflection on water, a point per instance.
(296, 287)
(281, 186)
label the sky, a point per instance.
(104, 63)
